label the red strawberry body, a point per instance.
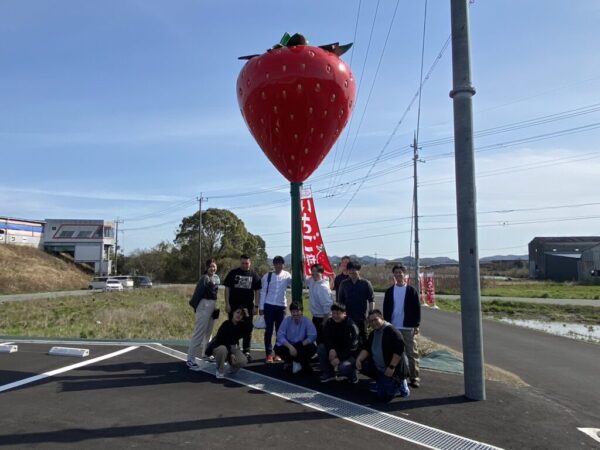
(296, 102)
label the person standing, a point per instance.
(225, 345)
(296, 340)
(338, 351)
(319, 295)
(242, 289)
(383, 359)
(402, 308)
(273, 302)
(357, 294)
(342, 276)
(203, 301)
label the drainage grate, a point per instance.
(386, 423)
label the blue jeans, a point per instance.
(386, 388)
(273, 317)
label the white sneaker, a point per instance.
(220, 375)
(296, 367)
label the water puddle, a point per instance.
(589, 333)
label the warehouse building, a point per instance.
(575, 258)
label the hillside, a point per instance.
(27, 269)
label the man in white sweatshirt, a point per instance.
(320, 298)
(273, 302)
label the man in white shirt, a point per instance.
(273, 302)
(319, 295)
(402, 308)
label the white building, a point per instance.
(86, 242)
(21, 231)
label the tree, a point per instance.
(224, 238)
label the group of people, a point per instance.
(337, 334)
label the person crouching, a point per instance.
(384, 360)
(296, 340)
(225, 345)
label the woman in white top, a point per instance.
(320, 298)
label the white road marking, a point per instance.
(35, 378)
(362, 415)
(594, 433)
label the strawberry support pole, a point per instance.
(297, 259)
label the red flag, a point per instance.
(312, 241)
(428, 288)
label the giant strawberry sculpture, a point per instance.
(296, 99)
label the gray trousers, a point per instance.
(412, 353)
(203, 329)
(221, 354)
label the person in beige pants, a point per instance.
(204, 303)
(225, 345)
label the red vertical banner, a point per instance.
(428, 288)
(312, 241)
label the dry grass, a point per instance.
(27, 269)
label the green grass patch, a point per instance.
(144, 314)
(521, 289)
(589, 315)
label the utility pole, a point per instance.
(466, 208)
(417, 284)
(200, 199)
(117, 222)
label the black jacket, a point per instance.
(391, 343)
(205, 288)
(228, 335)
(412, 307)
(343, 337)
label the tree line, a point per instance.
(224, 238)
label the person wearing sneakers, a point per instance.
(242, 288)
(225, 345)
(203, 301)
(273, 302)
(402, 308)
(319, 295)
(340, 344)
(296, 340)
(383, 359)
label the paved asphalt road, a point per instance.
(562, 369)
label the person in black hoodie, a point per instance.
(339, 348)
(384, 360)
(225, 345)
(402, 308)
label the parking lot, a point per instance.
(142, 395)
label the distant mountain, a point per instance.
(409, 260)
(505, 258)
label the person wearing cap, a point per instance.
(357, 294)
(339, 348)
(273, 302)
(296, 340)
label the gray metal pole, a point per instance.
(464, 155)
(417, 283)
(116, 245)
(200, 236)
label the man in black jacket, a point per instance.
(357, 294)
(402, 308)
(383, 359)
(340, 344)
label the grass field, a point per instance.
(589, 315)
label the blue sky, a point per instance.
(128, 109)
